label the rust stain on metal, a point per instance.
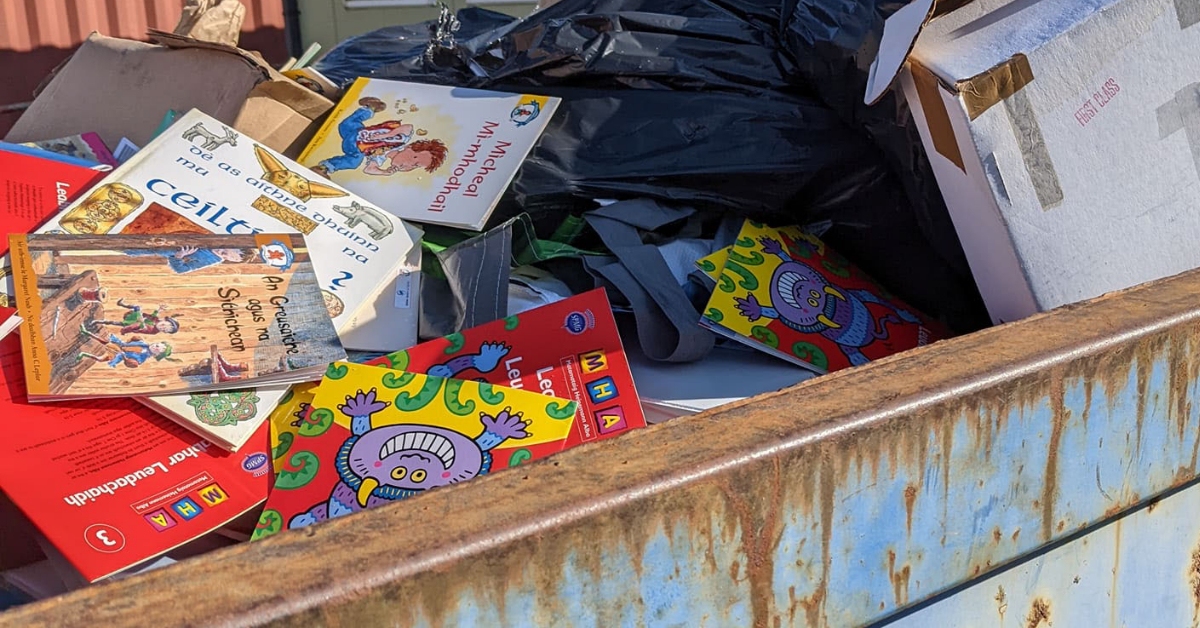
(997, 535)
(761, 531)
(1178, 405)
(814, 604)
(910, 496)
(1058, 422)
(1001, 603)
(1016, 533)
(947, 447)
(1194, 583)
(1088, 385)
(899, 578)
(1143, 386)
(1039, 614)
(753, 452)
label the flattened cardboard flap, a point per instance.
(899, 36)
(900, 33)
(121, 88)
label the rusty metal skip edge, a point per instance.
(858, 498)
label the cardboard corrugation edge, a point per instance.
(987, 89)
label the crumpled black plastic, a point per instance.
(743, 106)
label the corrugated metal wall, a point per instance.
(36, 35)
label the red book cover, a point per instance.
(569, 349)
(110, 483)
(32, 190)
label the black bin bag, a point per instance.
(746, 107)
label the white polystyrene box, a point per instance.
(1086, 178)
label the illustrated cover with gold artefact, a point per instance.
(784, 292)
(124, 315)
(201, 176)
(430, 153)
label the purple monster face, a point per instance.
(414, 457)
(800, 294)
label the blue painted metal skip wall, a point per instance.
(845, 501)
(962, 495)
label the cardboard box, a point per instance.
(123, 88)
(1065, 137)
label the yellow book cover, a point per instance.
(287, 418)
(712, 263)
(375, 435)
(785, 292)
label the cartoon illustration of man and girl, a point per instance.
(134, 352)
(190, 258)
(387, 147)
(136, 321)
(130, 353)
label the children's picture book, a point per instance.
(9, 321)
(201, 176)
(429, 153)
(785, 292)
(123, 315)
(375, 435)
(287, 418)
(117, 484)
(32, 190)
(21, 149)
(87, 146)
(125, 150)
(712, 263)
(569, 349)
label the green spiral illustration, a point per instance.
(285, 443)
(725, 283)
(301, 468)
(745, 243)
(287, 396)
(408, 403)
(317, 422)
(836, 269)
(519, 456)
(398, 360)
(456, 341)
(269, 522)
(749, 281)
(336, 370)
(715, 315)
(765, 335)
(490, 395)
(511, 323)
(755, 258)
(390, 380)
(812, 354)
(451, 398)
(560, 411)
(707, 265)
